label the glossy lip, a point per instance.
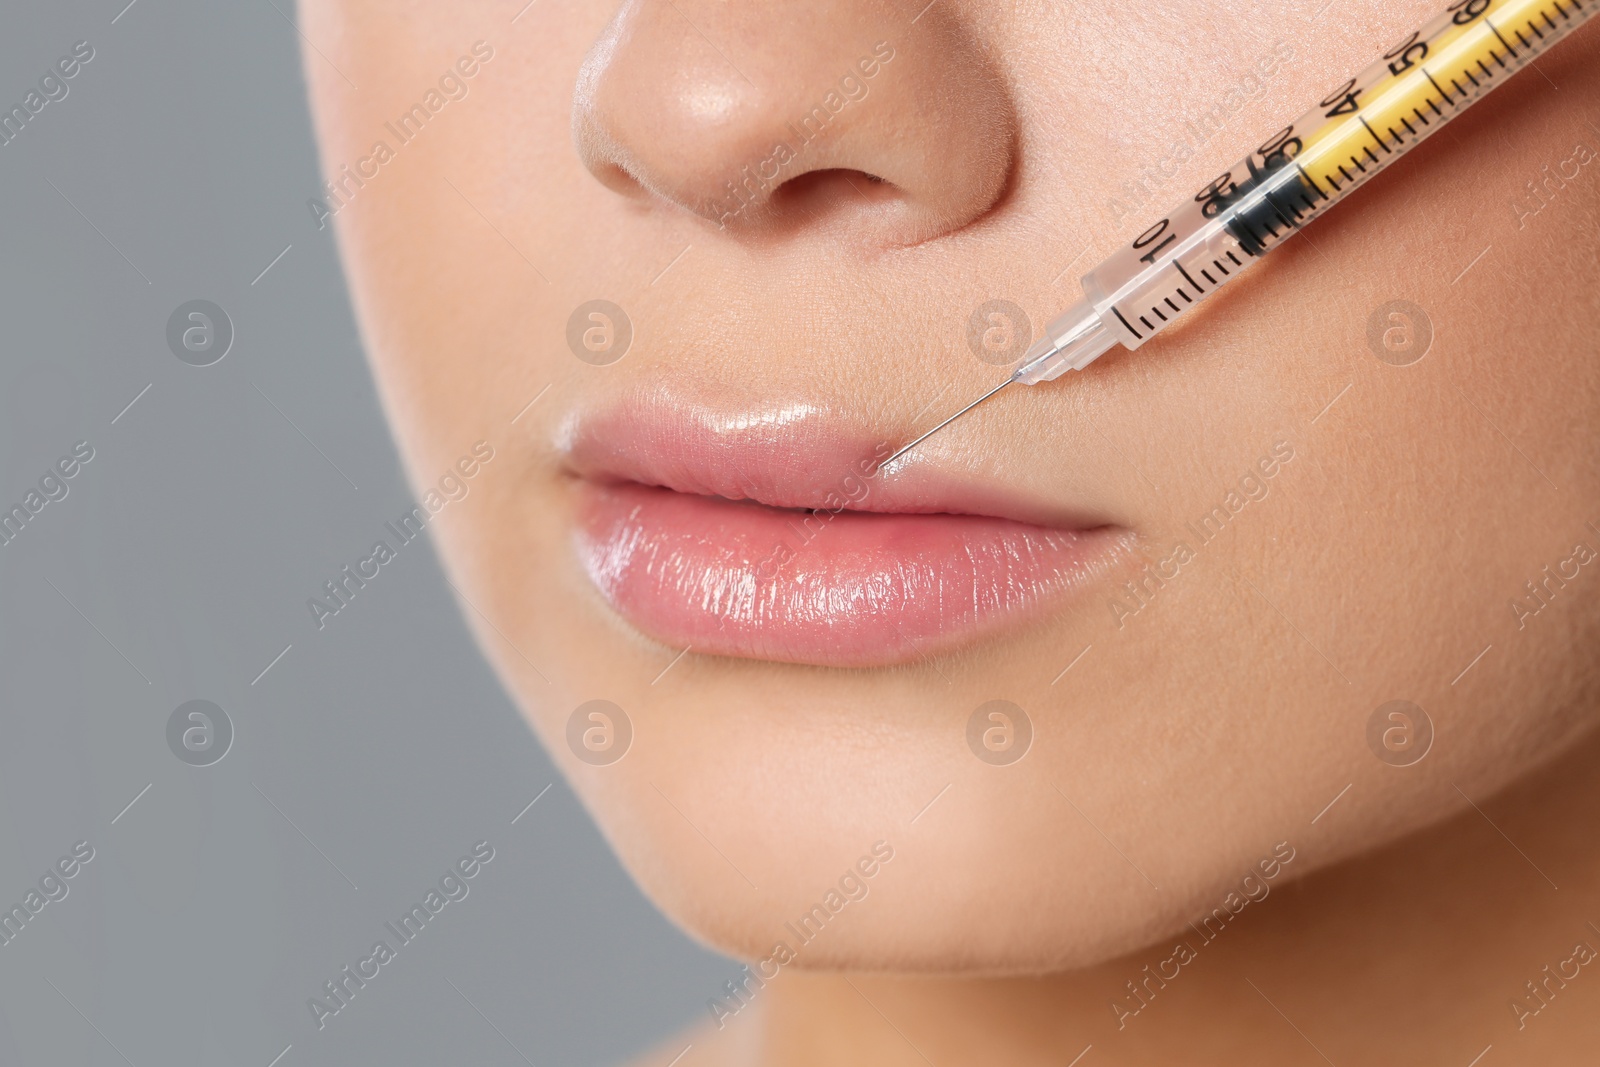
(772, 535)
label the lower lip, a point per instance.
(845, 589)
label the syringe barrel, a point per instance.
(1299, 172)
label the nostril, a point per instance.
(833, 189)
(616, 177)
(890, 147)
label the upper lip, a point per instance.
(796, 455)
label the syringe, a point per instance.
(1297, 174)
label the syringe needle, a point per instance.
(906, 448)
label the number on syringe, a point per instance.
(1275, 153)
(1282, 147)
(1149, 236)
(1342, 100)
(1402, 55)
(1215, 196)
(1467, 10)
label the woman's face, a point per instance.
(691, 269)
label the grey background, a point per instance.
(178, 567)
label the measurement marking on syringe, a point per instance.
(1375, 137)
(1444, 95)
(1290, 223)
(1496, 31)
(1125, 322)
(1309, 182)
(1198, 288)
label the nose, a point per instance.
(837, 115)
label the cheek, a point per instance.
(1378, 565)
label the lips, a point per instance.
(773, 535)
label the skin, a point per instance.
(1208, 727)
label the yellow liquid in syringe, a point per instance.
(1420, 83)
